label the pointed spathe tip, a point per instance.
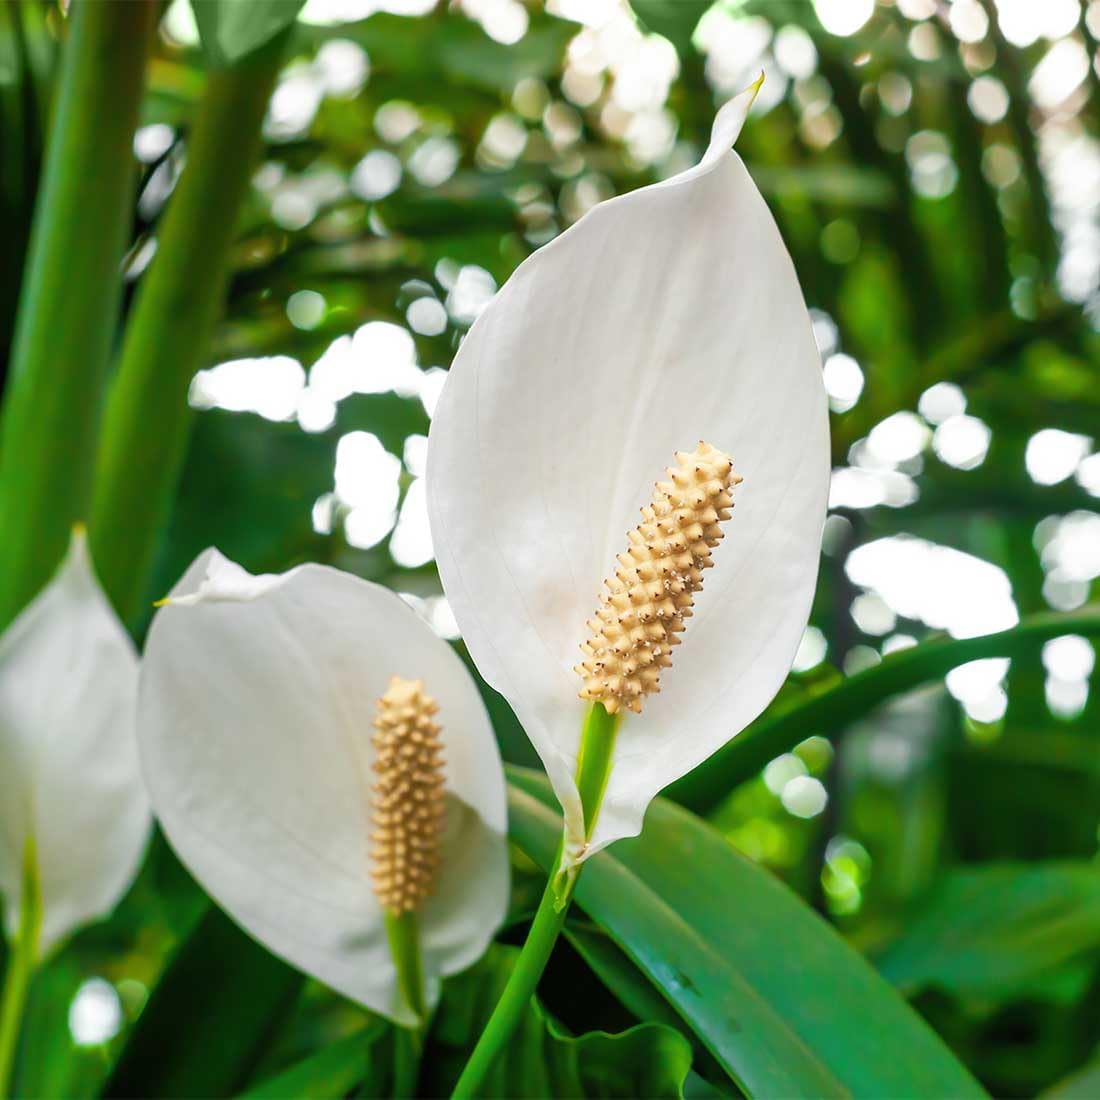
(729, 120)
(754, 88)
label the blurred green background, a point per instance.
(934, 168)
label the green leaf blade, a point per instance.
(209, 1019)
(775, 994)
(999, 931)
(232, 29)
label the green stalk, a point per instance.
(594, 763)
(593, 771)
(404, 937)
(70, 295)
(828, 710)
(147, 420)
(22, 959)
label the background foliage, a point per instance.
(935, 170)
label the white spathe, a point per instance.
(256, 703)
(663, 317)
(70, 782)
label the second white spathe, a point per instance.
(255, 712)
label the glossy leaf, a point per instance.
(649, 1060)
(781, 1001)
(637, 994)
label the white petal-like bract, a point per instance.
(70, 783)
(255, 710)
(664, 317)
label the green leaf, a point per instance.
(997, 931)
(833, 707)
(330, 1073)
(633, 989)
(230, 29)
(460, 52)
(774, 993)
(209, 1019)
(247, 487)
(619, 974)
(842, 184)
(675, 19)
(1082, 1085)
(649, 1060)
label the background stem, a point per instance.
(70, 294)
(22, 960)
(147, 419)
(830, 709)
(407, 1048)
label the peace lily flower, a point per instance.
(324, 766)
(74, 817)
(664, 317)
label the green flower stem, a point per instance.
(593, 770)
(594, 763)
(68, 309)
(404, 937)
(22, 959)
(146, 421)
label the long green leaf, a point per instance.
(633, 989)
(996, 931)
(209, 1019)
(781, 1001)
(147, 419)
(831, 709)
(70, 295)
(330, 1073)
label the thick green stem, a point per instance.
(22, 959)
(68, 307)
(147, 420)
(404, 937)
(593, 770)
